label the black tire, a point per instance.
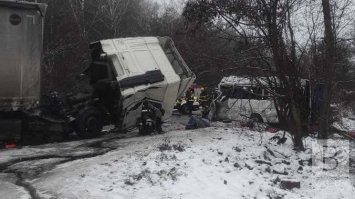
(145, 130)
(88, 123)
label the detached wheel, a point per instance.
(89, 123)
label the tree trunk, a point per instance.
(285, 69)
(328, 70)
(296, 116)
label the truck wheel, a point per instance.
(146, 126)
(88, 123)
(145, 130)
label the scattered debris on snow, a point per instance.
(203, 163)
(289, 184)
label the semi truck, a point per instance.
(134, 82)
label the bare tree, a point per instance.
(112, 12)
(269, 24)
(78, 10)
(72, 24)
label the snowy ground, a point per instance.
(346, 119)
(217, 162)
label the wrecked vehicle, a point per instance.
(243, 98)
(134, 81)
(147, 75)
(252, 99)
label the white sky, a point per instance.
(179, 4)
(302, 18)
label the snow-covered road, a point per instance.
(217, 162)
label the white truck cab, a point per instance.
(144, 69)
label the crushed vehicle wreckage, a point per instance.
(253, 98)
(134, 81)
(137, 80)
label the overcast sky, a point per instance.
(302, 18)
(179, 4)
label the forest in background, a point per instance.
(212, 50)
(289, 39)
(71, 25)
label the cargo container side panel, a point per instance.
(32, 56)
(20, 55)
(10, 55)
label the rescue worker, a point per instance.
(155, 114)
(205, 102)
(190, 99)
(158, 116)
(178, 104)
(204, 98)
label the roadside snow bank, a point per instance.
(346, 119)
(345, 124)
(205, 163)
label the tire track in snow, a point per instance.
(23, 176)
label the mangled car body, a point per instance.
(241, 98)
(252, 98)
